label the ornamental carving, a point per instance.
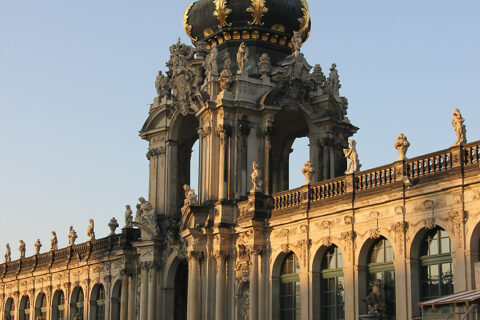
(457, 220)
(186, 26)
(305, 19)
(222, 12)
(399, 229)
(257, 9)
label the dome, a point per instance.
(270, 21)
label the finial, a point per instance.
(308, 171)
(113, 224)
(402, 146)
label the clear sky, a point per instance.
(77, 79)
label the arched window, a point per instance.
(77, 302)
(380, 267)
(25, 308)
(58, 306)
(97, 302)
(41, 306)
(10, 309)
(332, 285)
(436, 258)
(115, 301)
(290, 288)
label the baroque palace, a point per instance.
(348, 244)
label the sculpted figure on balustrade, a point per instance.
(22, 249)
(257, 179)
(72, 236)
(146, 218)
(352, 157)
(38, 246)
(190, 197)
(8, 253)
(128, 216)
(91, 230)
(402, 146)
(333, 81)
(460, 129)
(54, 241)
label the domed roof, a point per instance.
(273, 21)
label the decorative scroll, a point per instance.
(306, 16)
(257, 9)
(222, 12)
(186, 26)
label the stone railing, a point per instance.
(61, 256)
(413, 169)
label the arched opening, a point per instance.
(10, 309)
(183, 137)
(382, 270)
(436, 265)
(290, 288)
(288, 126)
(58, 305)
(41, 307)
(332, 292)
(24, 311)
(299, 155)
(77, 303)
(97, 303)
(116, 300)
(181, 291)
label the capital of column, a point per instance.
(194, 255)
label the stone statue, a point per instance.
(256, 178)
(162, 85)
(113, 224)
(296, 42)
(146, 216)
(54, 241)
(211, 67)
(8, 253)
(319, 76)
(333, 81)
(91, 230)
(38, 246)
(402, 145)
(265, 65)
(22, 249)
(376, 298)
(190, 197)
(460, 129)
(226, 74)
(72, 236)
(308, 171)
(128, 217)
(242, 58)
(352, 157)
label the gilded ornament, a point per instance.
(186, 26)
(304, 21)
(222, 12)
(257, 9)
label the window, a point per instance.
(290, 288)
(77, 302)
(41, 307)
(436, 269)
(98, 303)
(58, 307)
(25, 308)
(380, 267)
(10, 310)
(332, 285)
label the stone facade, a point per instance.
(223, 254)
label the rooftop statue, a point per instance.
(113, 225)
(22, 249)
(257, 179)
(190, 197)
(333, 81)
(162, 85)
(211, 67)
(265, 65)
(91, 230)
(352, 157)
(402, 146)
(297, 42)
(128, 217)
(226, 74)
(146, 217)
(308, 171)
(460, 129)
(54, 241)
(72, 236)
(242, 58)
(38, 246)
(8, 253)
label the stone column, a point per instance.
(124, 297)
(193, 288)
(254, 286)
(220, 287)
(152, 292)
(223, 132)
(131, 298)
(144, 292)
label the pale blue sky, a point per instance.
(76, 80)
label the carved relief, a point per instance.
(257, 9)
